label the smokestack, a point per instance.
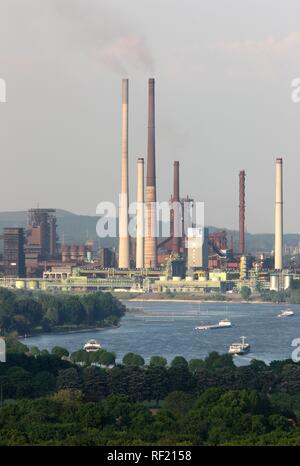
(231, 244)
(140, 215)
(278, 216)
(150, 236)
(175, 213)
(123, 202)
(242, 213)
(176, 182)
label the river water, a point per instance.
(168, 329)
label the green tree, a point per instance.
(157, 381)
(68, 394)
(117, 381)
(107, 358)
(179, 361)
(34, 350)
(178, 403)
(59, 352)
(69, 378)
(289, 381)
(21, 324)
(158, 361)
(196, 364)
(73, 310)
(80, 356)
(245, 293)
(46, 324)
(180, 378)
(19, 383)
(131, 359)
(16, 347)
(94, 384)
(31, 310)
(27, 311)
(215, 361)
(43, 383)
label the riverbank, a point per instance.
(199, 301)
(191, 298)
(68, 331)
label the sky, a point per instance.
(223, 72)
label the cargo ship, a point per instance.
(92, 345)
(225, 323)
(238, 349)
(286, 313)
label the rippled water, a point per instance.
(168, 329)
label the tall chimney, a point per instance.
(278, 216)
(140, 215)
(150, 235)
(123, 201)
(175, 212)
(242, 213)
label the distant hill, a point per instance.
(74, 228)
(258, 242)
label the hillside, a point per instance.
(74, 228)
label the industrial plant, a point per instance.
(191, 258)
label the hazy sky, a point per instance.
(223, 74)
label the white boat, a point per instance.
(286, 313)
(224, 323)
(92, 345)
(239, 348)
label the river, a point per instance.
(168, 329)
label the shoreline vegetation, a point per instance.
(27, 313)
(196, 300)
(87, 399)
(68, 330)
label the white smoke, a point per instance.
(103, 36)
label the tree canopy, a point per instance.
(27, 313)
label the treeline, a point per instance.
(216, 417)
(27, 313)
(136, 379)
(48, 400)
(291, 295)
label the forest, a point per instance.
(28, 313)
(48, 399)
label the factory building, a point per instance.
(77, 253)
(58, 273)
(246, 262)
(280, 281)
(218, 240)
(107, 258)
(14, 256)
(197, 248)
(41, 241)
(190, 285)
